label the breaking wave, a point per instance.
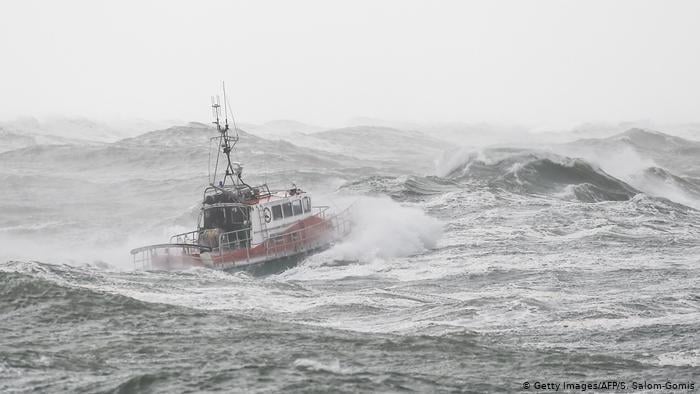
(662, 183)
(384, 229)
(531, 172)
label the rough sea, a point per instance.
(469, 269)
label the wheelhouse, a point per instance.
(227, 217)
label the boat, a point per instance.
(243, 227)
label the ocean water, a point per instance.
(468, 270)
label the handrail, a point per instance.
(281, 244)
(228, 236)
(263, 190)
(306, 238)
(170, 245)
(184, 237)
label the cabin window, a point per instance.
(297, 207)
(277, 212)
(287, 209)
(214, 218)
(307, 204)
(235, 218)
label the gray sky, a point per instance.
(327, 61)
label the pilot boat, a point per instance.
(243, 227)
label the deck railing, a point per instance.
(310, 237)
(191, 238)
(289, 243)
(165, 253)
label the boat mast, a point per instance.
(226, 143)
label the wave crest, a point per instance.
(532, 172)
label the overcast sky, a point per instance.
(325, 62)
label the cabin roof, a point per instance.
(272, 197)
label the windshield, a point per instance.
(226, 218)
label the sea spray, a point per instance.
(384, 228)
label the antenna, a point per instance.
(216, 111)
(223, 87)
(226, 142)
(228, 111)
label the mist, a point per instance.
(545, 64)
(406, 195)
